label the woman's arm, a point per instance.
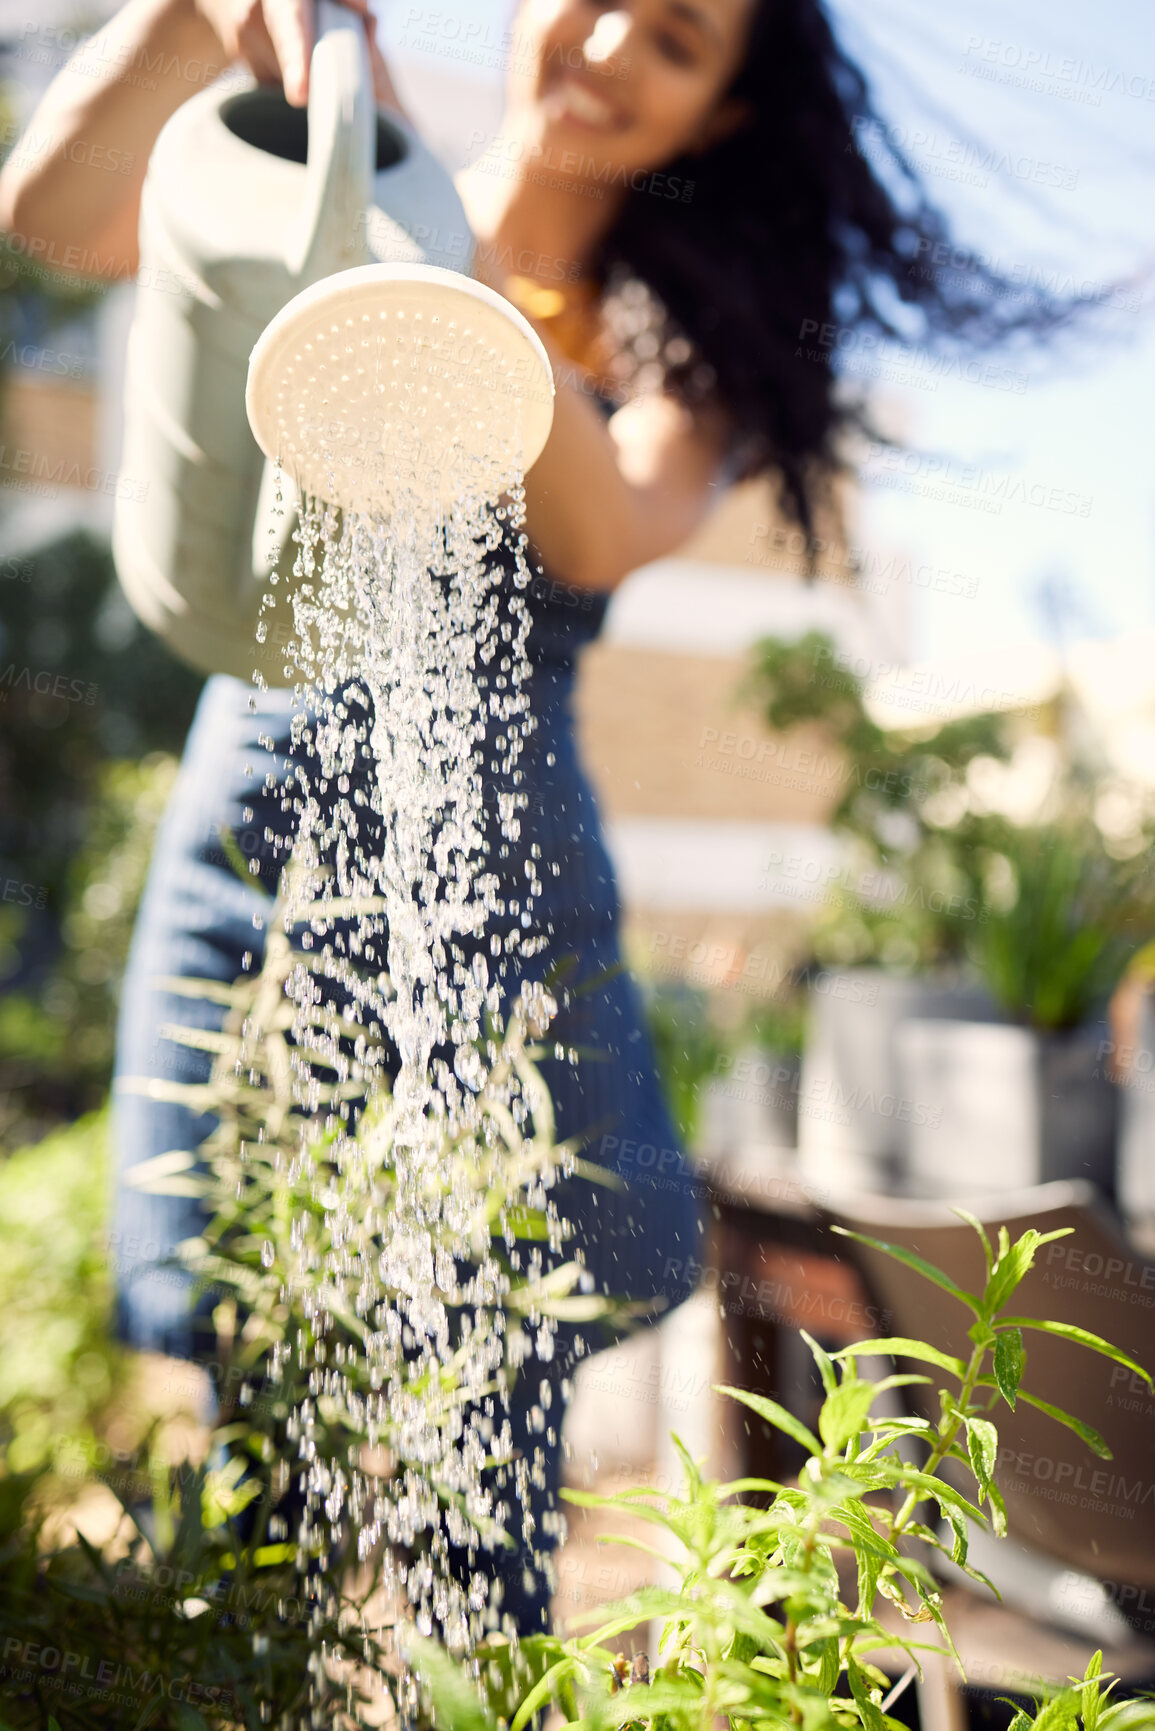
(108, 104)
(601, 500)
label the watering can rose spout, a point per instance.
(377, 383)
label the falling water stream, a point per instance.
(412, 890)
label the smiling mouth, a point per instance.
(572, 100)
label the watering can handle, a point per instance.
(330, 231)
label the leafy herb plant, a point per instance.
(221, 1598)
(790, 1593)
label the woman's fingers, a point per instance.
(275, 40)
(292, 32)
(254, 46)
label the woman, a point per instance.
(705, 208)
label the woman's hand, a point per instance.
(275, 38)
(84, 220)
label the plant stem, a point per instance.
(790, 1641)
(946, 1439)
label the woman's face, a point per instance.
(631, 85)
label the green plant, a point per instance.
(778, 1614)
(692, 1044)
(58, 1370)
(1047, 911)
(93, 710)
(57, 1029)
(687, 1048)
(885, 771)
(1057, 946)
(913, 888)
(223, 1598)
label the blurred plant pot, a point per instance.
(1136, 1176)
(851, 1107)
(751, 1103)
(996, 1108)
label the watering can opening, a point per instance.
(264, 120)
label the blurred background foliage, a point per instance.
(59, 1370)
(979, 845)
(83, 775)
(694, 1033)
(83, 780)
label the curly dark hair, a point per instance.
(793, 241)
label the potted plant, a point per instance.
(1031, 1100)
(890, 940)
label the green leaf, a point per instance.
(829, 1667)
(961, 1536)
(1085, 1432)
(1012, 1265)
(1091, 1692)
(1010, 1360)
(998, 1510)
(920, 1265)
(822, 1360)
(453, 1694)
(166, 1175)
(627, 1613)
(898, 1346)
(928, 1485)
(868, 1709)
(542, 1692)
(529, 1223)
(271, 1556)
(973, 1221)
(775, 1415)
(189, 986)
(662, 1703)
(230, 847)
(1014, 1262)
(983, 1448)
(1082, 1337)
(1060, 1713)
(845, 1412)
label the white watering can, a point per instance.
(245, 204)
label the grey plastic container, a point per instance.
(1136, 1175)
(1001, 1108)
(852, 1111)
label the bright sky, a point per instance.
(1081, 430)
(1056, 179)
